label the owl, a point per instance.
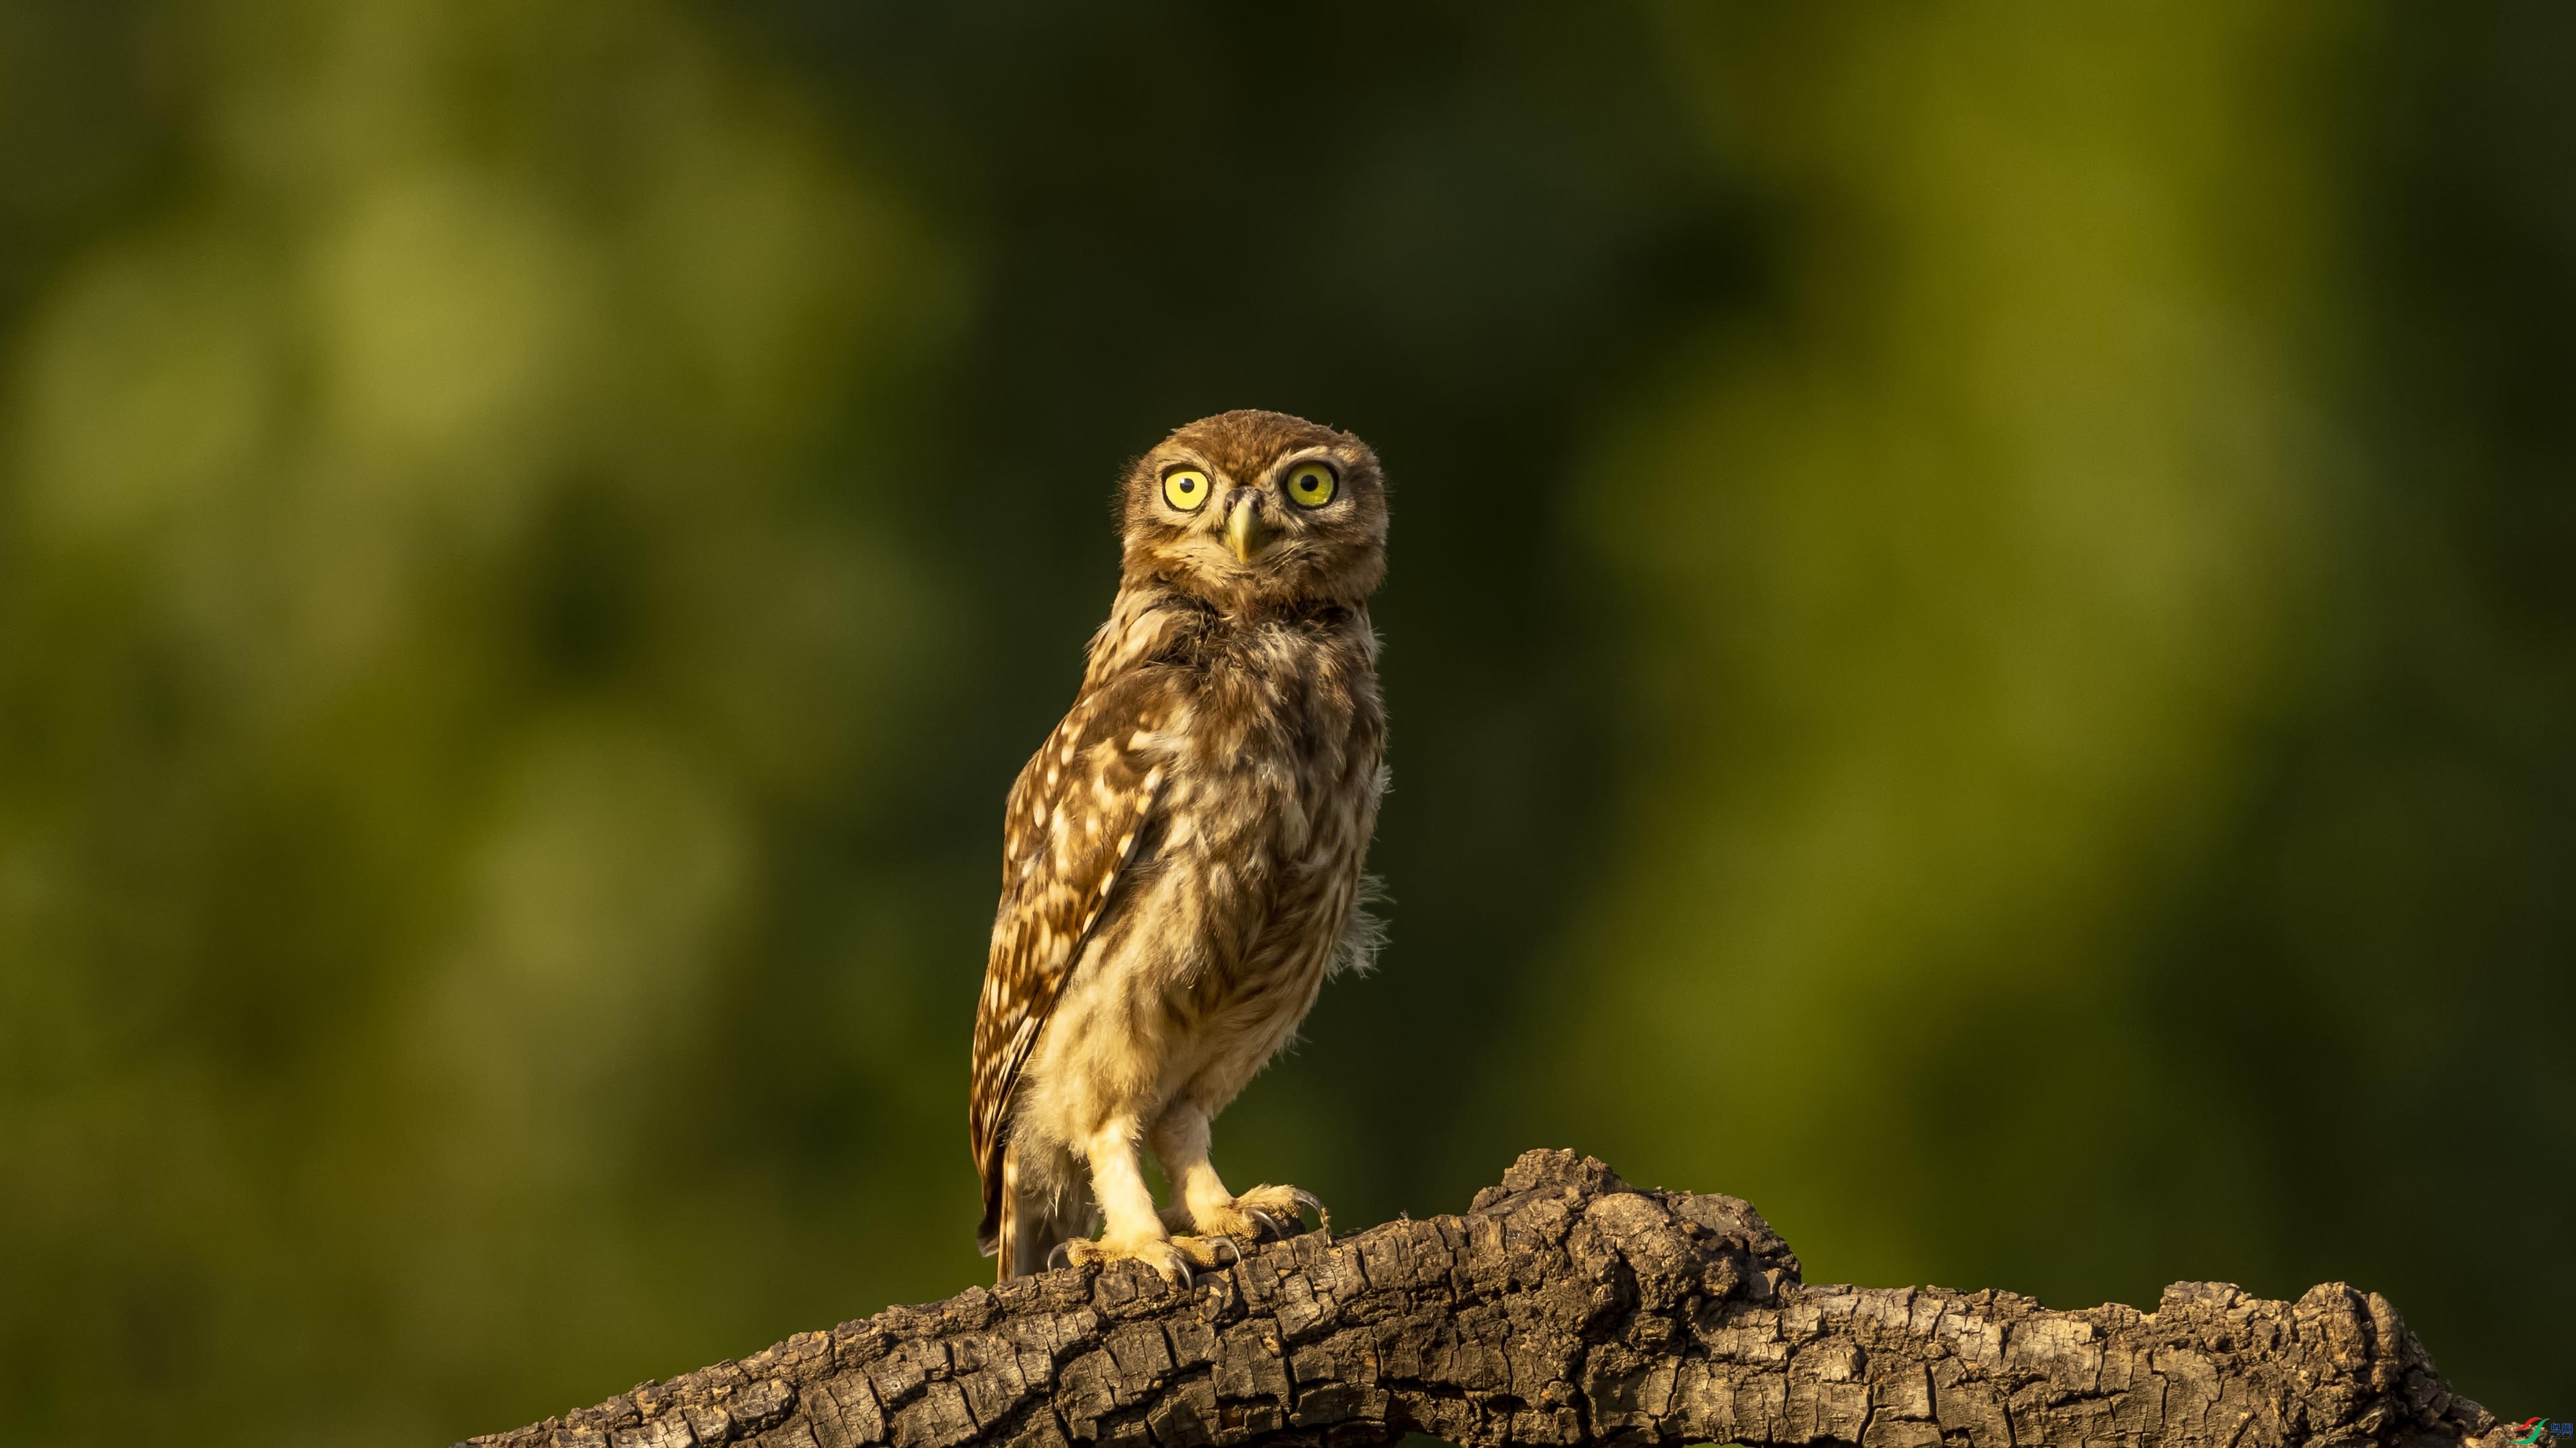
(1182, 859)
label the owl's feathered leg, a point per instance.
(1134, 1231)
(1044, 1205)
(1205, 1206)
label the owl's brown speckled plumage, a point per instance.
(1182, 858)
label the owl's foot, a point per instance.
(1261, 1212)
(1207, 1254)
(1172, 1258)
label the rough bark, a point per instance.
(1565, 1307)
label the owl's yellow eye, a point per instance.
(1311, 485)
(1185, 488)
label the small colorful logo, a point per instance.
(2531, 1429)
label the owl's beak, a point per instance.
(1245, 533)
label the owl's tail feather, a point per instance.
(1044, 1204)
(1004, 1246)
(992, 1235)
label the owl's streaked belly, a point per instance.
(1203, 968)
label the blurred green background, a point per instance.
(1982, 645)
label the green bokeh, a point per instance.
(1982, 645)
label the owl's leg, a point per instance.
(1118, 1181)
(1205, 1206)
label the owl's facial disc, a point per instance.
(1255, 511)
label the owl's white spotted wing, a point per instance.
(1075, 820)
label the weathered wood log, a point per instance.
(1565, 1307)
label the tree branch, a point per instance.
(1565, 1307)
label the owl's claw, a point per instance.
(1279, 1210)
(1263, 1214)
(1203, 1253)
(1170, 1257)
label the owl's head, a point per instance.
(1249, 510)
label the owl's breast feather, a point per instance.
(1273, 775)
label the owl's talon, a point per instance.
(1203, 1254)
(1282, 1209)
(1065, 1248)
(1165, 1255)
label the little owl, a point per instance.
(1181, 860)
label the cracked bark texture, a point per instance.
(1565, 1307)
